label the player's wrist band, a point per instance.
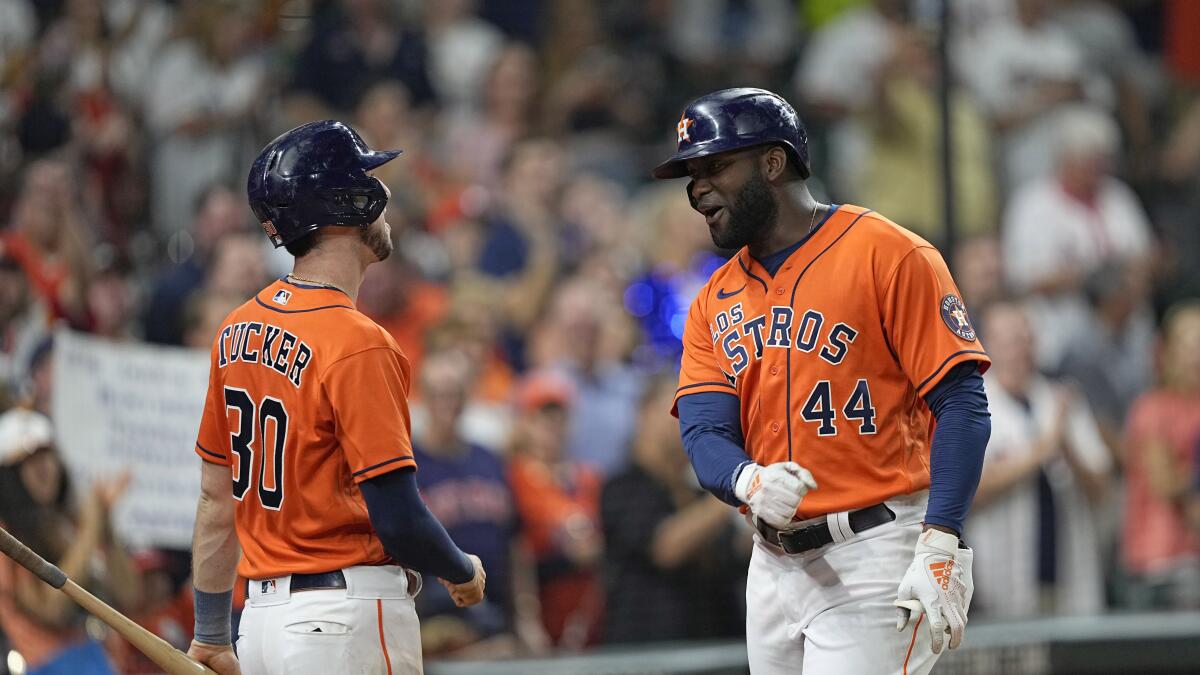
(213, 617)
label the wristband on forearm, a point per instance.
(212, 614)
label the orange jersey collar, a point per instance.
(288, 297)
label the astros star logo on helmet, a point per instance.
(681, 129)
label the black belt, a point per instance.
(818, 535)
(316, 582)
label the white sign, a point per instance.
(133, 406)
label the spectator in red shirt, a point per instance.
(558, 504)
(46, 238)
(1159, 552)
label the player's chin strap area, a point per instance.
(836, 527)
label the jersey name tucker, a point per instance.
(782, 327)
(267, 345)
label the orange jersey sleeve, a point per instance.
(925, 320)
(212, 442)
(699, 370)
(368, 392)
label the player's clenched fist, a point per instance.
(471, 592)
(938, 583)
(773, 492)
(218, 657)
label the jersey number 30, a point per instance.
(267, 421)
(819, 408)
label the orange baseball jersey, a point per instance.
(830, 357)
(307, 397)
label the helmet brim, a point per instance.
(675, 166)
(376, 158)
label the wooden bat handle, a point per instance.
(11, 547)
(158, 650)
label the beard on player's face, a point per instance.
(377, 238)
(751, 215)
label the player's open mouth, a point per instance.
(711, 213)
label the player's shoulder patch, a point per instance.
(954, 313)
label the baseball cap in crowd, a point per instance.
(542, 389)
(22, 433)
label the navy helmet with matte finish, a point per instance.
(730, 119)
(316, 175)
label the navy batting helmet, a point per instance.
(315, 175)
(736, 118)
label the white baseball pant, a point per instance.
(368, 627)
(829, 611)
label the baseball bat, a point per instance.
(170, 659)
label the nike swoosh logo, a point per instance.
(721, 294)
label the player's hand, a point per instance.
(938, 583)
(218, 657)
(471, 592)
(774, 492)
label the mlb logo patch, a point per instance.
(268, 587)
(282, 296)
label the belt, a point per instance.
(818, 535)
(316, 582)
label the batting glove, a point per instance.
(937, 584)
(773, 492)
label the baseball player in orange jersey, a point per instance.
(815, 364)
(305, 440)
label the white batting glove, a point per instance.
(937, 584)
(773, 492)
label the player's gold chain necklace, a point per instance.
(813, 220)
(326, 284)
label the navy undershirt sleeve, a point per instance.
(959, 404)
(409, 532)
(710, 423)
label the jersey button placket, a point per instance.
(779, 291)
(774, 370)
(775, 427)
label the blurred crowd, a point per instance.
(541, 280)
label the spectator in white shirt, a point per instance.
(1061, 228)
(1038, 516)
(1023, 72)
(200, 99)
(836, 77)
(462, 48)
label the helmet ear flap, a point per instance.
(377, 203)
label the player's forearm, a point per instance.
(215, 549)
(215, 554)
(409, 532)
(956, 456)
(710, 427)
